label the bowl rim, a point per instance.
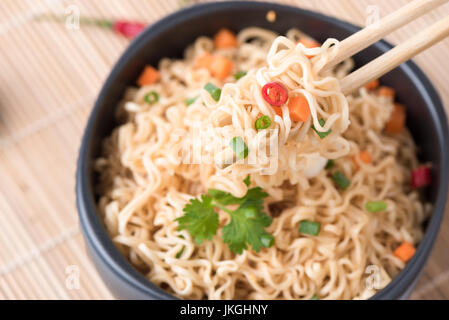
(94, 232)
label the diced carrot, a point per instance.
(309, 43)
(278, 110)
(298, 108)
(387, 92)
(149, 76)
(397, 120)
(364, 156)
(220, 67)
(372, 85)
(225, 39)
(204, 60)
(405, 251)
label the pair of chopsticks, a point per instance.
(399, 54)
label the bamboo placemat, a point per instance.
(49, 77)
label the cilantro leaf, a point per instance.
(199, 219)
(256, 195)
(247, 225)
(224, 198)
(247, 180)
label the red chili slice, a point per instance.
(421, 177)
(275, 93)
(128, 29)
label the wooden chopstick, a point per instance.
(374, 32)
(396, 56)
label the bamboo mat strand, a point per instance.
(49, 79)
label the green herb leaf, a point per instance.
(309, 227)
(224, 198)
(267, 240)
(247, 180)
(322, 135)
(256, 195)
(151, 97)
(315, 297)
(213, 91)
(199, 219)
(247, 225)
(240, 148)
(340, 180)
(375, 206)
(263, 122)
(190, 100)
(239, 75)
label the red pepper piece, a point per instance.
(421, 177)
(128, 29)
(275, 93)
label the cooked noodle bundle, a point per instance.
(165, 153)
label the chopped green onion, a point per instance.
(322, 134)
(263, 122)
(213, 90)
(179, 254)
(315, 297)
(330, 164)
(309, 227)
(240, 148)
(239, 75)
(375, 206)
(190, 101)
(341, 181)
(267, 240)
(247, 180)
(151, 97)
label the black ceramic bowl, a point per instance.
(168, 38)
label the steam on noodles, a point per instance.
(166, 153)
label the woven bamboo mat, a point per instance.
(49, 77)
